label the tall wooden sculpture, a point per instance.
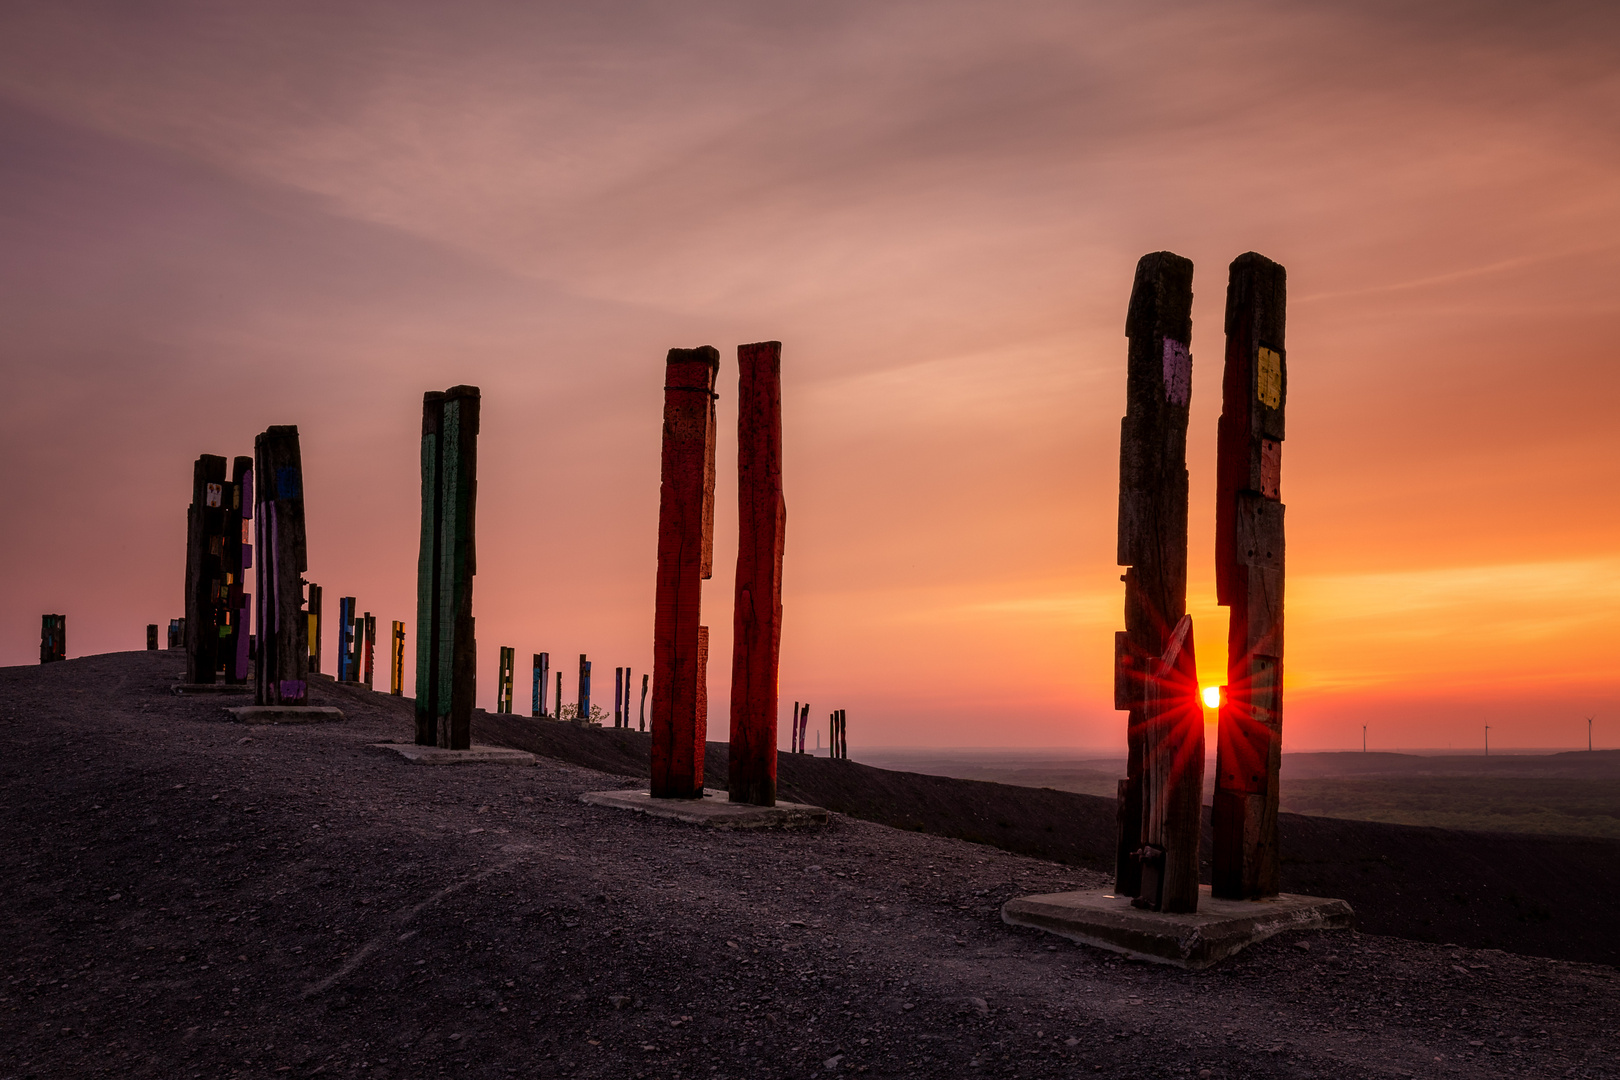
(1153, 653)
(446, 661)
(280, 559)
(348, 641)
(396, 660)
(234, 637)
(504, 678)
(52, 638)
(206, 597)
(757, 610)
(685, 559)
(537, 706)
(1249, 578)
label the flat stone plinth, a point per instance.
(713, 809)
(285, 714)
(1217, 930)
(211, 688)
(473, 755)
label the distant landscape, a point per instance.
(1571, 793)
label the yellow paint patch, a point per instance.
(1268, 378)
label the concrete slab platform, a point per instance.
(1217, 930)
(714, 809)
(285, 714)
(475, 755)
(211, 688)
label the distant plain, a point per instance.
(1571, 793)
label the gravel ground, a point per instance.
(189, 897)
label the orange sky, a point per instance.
(217, 219)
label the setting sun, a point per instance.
(1212, 697)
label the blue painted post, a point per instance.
(542, 661)
(346, 666)
(584, 716)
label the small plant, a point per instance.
(571, 712)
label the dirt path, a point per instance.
(191, 898)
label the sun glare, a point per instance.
(1212, 697)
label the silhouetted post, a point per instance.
(804, 726)
(446, 663)
(280, 558)
(645, 680)
(1249, 579)
(756, 642)
(685, 559)
(177, 634)
(151, 636)
(1152, 513)
(346, 642)
(558, 714)
(396, 661)
(234, 634)
(206, 598)
(542, 661)
(52, 638)
(369, 661)
(627, 697)
(503, 692)
(793, 730)
(584, 714)
(618, 697)
(315, 628)
(1172, 778)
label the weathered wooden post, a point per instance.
(234, 635)
(177, 634)
(503, 691)
(804, 726)
(280, 559)
(446, 663)
(583, 716)
(627, 697)
(618, 697)
(151, 636)
(756, 643)
(793, 729)
(369, 661)
(1172, 778)
(315, 628)
(645, 681)
(396, 661)
(1152, 516)
(542, 661)
(346, 644)
(685, 560)
(1249, 579)
(52, 638)
(206, 597)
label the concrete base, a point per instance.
(1217, 930)
(476, 755)
(211, 688)
(715, 808)
(284, 714)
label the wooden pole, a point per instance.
(1172, 779)
(503, 692)
(206, 599)
(151, 636)
(234, 634)
(627, 697)
(756, 641)
(396, 661)
(1152, 513)
(583, 715)
(346, 642)
(446, 660)
(542, 661)
(618, 697)
(793, 730)
(368, 664)
(645, 680)
(280, 558)
(685, 560)
(1249, 579)
(315, 628)
(52, 638)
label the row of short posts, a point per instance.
(839, 731)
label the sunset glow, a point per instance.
(220, 218)
(1212, 697)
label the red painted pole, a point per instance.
(685, 559)
(757, 612)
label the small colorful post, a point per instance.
(346, 642)
(369, 662)
(542, 661)
(584, 714)
(177, 634)
(503, 692)
(315, 628)
(52, 638)
(396, 661)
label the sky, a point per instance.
(214, 218)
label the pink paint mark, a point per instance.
(293, 689)
(1271, 468)
(1177, 373)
